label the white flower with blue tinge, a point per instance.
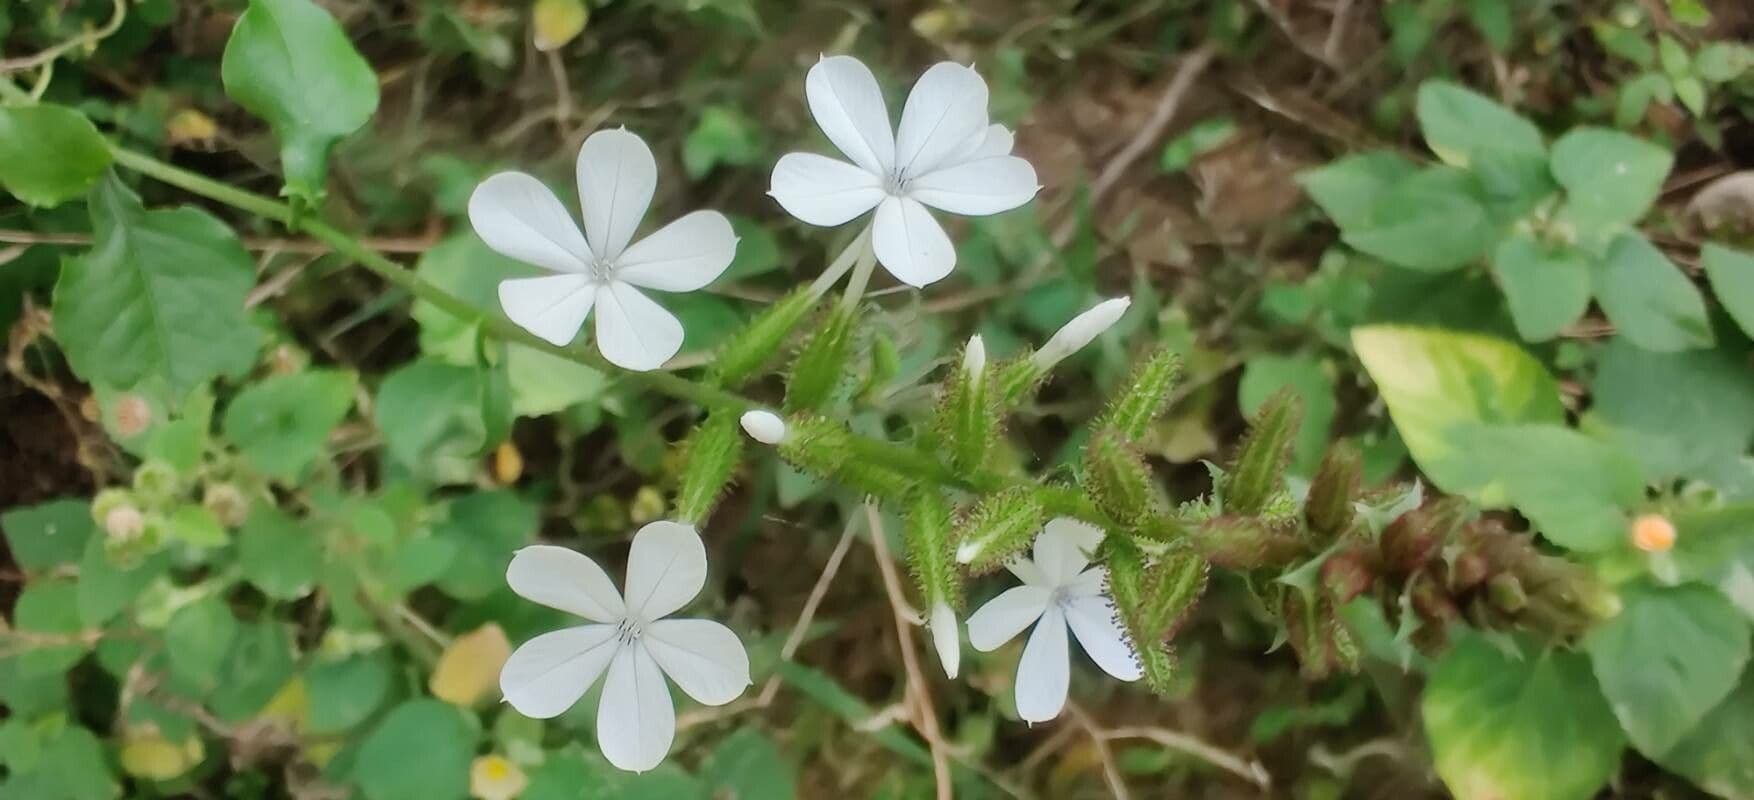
(628, 637)
(598, 268)
(1057, 593)
(944, 155)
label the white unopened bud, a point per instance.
(974, 357)
(124, 523)
(945, 638)
(1083, 329)
(763, 426)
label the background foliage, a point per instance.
(257, 503)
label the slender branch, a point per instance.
(925, 715)
(92, 37)
(1252, 771)
(1111, 771)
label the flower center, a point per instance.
(601, 269)
(629, 631)
(895, 183)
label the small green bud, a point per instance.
(751, 348)
(1256, 474)
(1418, 536)
(1146, 396)
(1241, 543)
(821, 364)
(1117, 479)
(711, 454)
(967, 419)
(1002, 525)
(157, 482)
(929, 555)
(133, 536)
(1172, 588)
(108, 500)
(1328, 508)
(822, 448)
(885, 365)
(226, 503)
(1161, 667)
(1016, 379)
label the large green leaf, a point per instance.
(344, 693)
(277, 555)
(1434, 380)
(198, 641)
(1433, 220)
(1574, 488)
(420, 751)
(1547, 288)
(1527, 726)
(281, 423)
(747, 765)
(49, 154)
(1682, 413)
(159, 297)
(1718, 754)
(1349, 188)
(1462, 125)
(48, 535)
(1652, 304)
(1668, 657)
(289, 62)
(1610, 179)
(437, 417)
(1732, 281)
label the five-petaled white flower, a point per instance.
(519, 217)
(627, 637)
(944, 155)
(1058, 591)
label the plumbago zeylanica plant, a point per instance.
(1617, 616)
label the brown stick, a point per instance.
(925, 716)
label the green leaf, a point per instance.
(198, 641)
(49, 154)
(69, 764)
(1202, 138)
(437, 417)
(421, 751)
(748, 766)
(1682, 413)
(1265, 374)
(344, 693)
(1648, 299)
(160, 296)
(105, 589)
(1667, 659)
(486, 527)
(289, 62)
(1461, 126)
(281, 422)
(722, 135)
(1732, 281)
(1721, 62)
(1574, 488)
(1434, 220)
(1434, 380)
(49, 608)
(278, 555)
(1610, 180)
(259, 664)
(1350, 188)
(1547, 288)
(1718, 754)
(1519, 727)
(48, 535)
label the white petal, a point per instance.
(553, 307)
(1028, 572)
(681, 256)
(945, 638)
(1089, 583)
(848, 106)
(1005, 616)
(635, 720)
(997, 140)
(703, 657)
(1045, 670)
(666, 568)
(910, 244)
(520, 218)
(947, 107)
(617, 175)
(823, 191)
(1082, 330)
(549, 673)
(979, 187)
(632, 331)
(763, 426)
(565, 580)
(1063, 549)
(1095, 622)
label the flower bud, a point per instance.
(1653, 533)
(710, 458)
(647, 505)
(945, 638)
(1082, 330)
(1257, 473)
(508, 463)
(157, 481)
(764, 426)
(109, 500)
(557, 22)
(1145, 397)
(133, 415)
(820, 369)
(226, 503)
(494, 777)
(124, 523)
(1346, 575)
(747, 351)
(974, 358)
(1001, 526)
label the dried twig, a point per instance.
(1111, 772)
(925, 716)
(1252, 771)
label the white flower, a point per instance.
(944, 155)
(763, 426)
(519, 217)
(629, 638)
(1082, 330)
(1058, 591)
(945, 638)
